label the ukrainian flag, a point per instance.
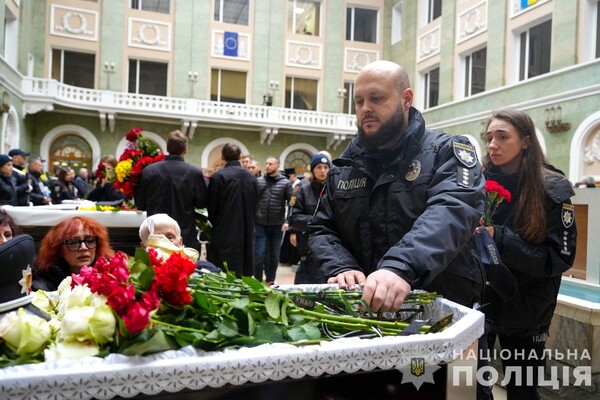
(527, 3)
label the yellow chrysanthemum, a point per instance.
(123, 169)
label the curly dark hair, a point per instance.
(50, 248)
(6, 218)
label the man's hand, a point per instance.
(293, 240)
(385, 291)
(350, 280)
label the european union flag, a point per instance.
(230, 44)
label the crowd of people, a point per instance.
(397, 211)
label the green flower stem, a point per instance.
(346, 319)
(178, 327)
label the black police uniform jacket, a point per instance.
(411, 210)
(305, 198)
(537, 267)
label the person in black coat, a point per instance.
(62, 187)
(40, 193)
(232, 199)
(175, 188)
(19, 161)
(305, 199)
(8, 189)
(536, 237)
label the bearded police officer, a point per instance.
(401, 203)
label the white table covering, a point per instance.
(193, 369)
(52, 214)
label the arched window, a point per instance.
(71, 150)
(299, 160)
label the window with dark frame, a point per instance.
(475, 69)
(432, 88)
(361, 24)
(74, 68)
(232, 11)
(148, 77)
(228, 86)
(159, 6)
(535, 52)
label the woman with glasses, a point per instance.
(67, 247)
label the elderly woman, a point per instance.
(8, 189)
(163, 234)
(67, 247)
(8, 228)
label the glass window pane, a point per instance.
(301, 94)
(132, 81)
(304, 17)
(233, 86)
(214, 85)
(478, 70)
(234, 12)
(539, 49)
(78, 69)
(349, 19)
(56, 63)
(161, 6)
(365, 25)
(523, 55)
(434, 88)
(152, 78)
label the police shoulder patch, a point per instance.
(465, 153)
(568, 215)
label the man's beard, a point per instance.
(386, 133)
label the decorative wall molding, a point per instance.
(429, 44)
(472, 22)
(356, 59)
(591, 153)
(76, 23)
(303, 54)
(155, 35)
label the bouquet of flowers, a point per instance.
(139, 153)
(146, 304)
(496, 194)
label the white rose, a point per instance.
(88, 323)
(24, 333)
(70, 350)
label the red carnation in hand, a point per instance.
(496, 194)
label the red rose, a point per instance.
(136, 318)
(133, 134)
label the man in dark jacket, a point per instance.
(232, 198)
(19, 160)
(401, 203)
(274, 192)
(175, 188)
(40, 193)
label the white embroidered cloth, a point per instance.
(193, 369)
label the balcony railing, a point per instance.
(44, 94)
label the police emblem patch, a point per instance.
(417, 366)
(568, 215)
(414, 170)
(465, 154)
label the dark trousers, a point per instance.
(517, 356)
(268, 242)
(308, 272)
